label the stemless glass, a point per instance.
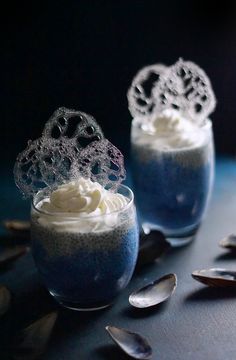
(85, 268)
(172, 186)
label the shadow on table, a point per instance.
(70, 323)
(32, 303)
(110, 352)
(28, 304)
(231, 255)
(143, 269)
(69, 319)
(211, 294)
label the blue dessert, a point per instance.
(172, 147)
(93, 269)
(172, 194)
(85, 242)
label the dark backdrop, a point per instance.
(84, 54)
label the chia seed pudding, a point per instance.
(85, 261)
(172, 147)
(172, 177)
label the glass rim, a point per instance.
(78, 218)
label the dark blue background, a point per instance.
(84, 54)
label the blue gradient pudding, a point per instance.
(173, 167)
(85, 254)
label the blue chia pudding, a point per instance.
(172, 177)
(86, 261)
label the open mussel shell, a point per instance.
(12, 253)
(216, 277)
(18, 227)
(154, 293)
(5, 299)
(33, 340)
(229, 242)
(152, 246)
(131, 343)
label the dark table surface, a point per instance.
(196, 323)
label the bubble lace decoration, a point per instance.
(77, 127)
(44, 163)
(102, 162)
(185, 87)
(62, 155)
(140, 95)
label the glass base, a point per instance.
(180, 241)
(178, 238)
(73, 305)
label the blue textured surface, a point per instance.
(89, 278)
(196, 323)
(170, 195)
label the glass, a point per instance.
(172, 187)
(85, 270)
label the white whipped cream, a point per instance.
(84, 200)
(170, 130)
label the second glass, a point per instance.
(172, 186)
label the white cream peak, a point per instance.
(83, 196)
(170, 130)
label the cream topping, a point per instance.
(170, 130)
(84, 200)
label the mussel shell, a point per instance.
(18, 227)
(229, 242)
(216, 277)
(12, 253)
(5, 299)
(131, 343)
(154, 293)
(32, 340)
(152, 246)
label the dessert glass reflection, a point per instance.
(83, 220)
(172, 153)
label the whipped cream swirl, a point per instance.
(170, 130)
(82, 199)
